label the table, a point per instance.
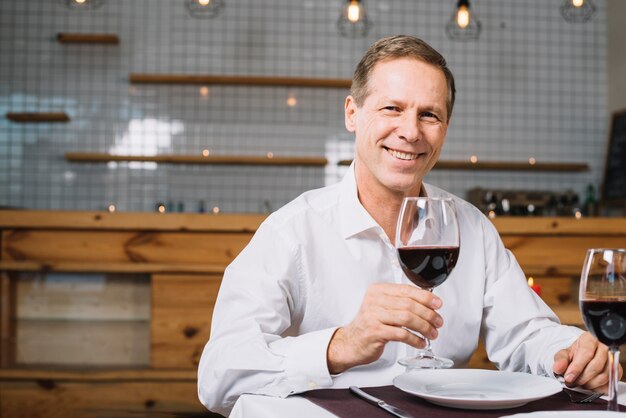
(256, 406)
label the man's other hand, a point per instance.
(585, 363)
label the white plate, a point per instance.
(573, 414)
(476, 389)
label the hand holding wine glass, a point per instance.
(427, 242)
(603, 305)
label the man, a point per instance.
(318, 298)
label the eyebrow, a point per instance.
(425, 108)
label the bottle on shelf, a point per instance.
(591, 204)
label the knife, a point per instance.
(379, 402)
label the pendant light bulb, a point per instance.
(463, 17)
(81, 4)
(353, 21)
(204, 9)
(463, 25)
(354, 11)
(577, 11)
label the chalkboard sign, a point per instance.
(614, 187)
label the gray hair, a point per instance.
(399, 46)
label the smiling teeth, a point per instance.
(402, 155)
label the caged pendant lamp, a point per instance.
(353, 21)
(463, 25)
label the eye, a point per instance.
(391, 109)
(429, 117)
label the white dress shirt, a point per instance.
(305, 273)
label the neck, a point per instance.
(380, 202)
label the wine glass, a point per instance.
(603, 305)
(427, 243)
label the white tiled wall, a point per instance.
(532, 85)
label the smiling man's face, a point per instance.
(400, 128)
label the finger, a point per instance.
(414, 311)
(417, 309)
(561, 361)
(421, 296)
(391, 333)
(600, 383)
(596, 372)
(582, 355)
(403, 318)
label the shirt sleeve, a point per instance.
(521, 332)
(254, 347)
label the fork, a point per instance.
(578, 396)
(582, 397)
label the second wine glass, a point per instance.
(603, 305)
(427, 243)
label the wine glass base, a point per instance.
(426, 360)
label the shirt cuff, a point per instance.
(305, 362)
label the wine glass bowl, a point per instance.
(427, 243)
(602, 300)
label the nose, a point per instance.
(409, 127)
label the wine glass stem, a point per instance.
(428, 348)
(613, 378)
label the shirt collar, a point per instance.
(354, 218)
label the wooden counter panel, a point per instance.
(78, 343)
(557, 291)
(98, 374)
(569, 314)
(7, 311)
(52, 399)
(186, 254)
(556, 256)
(82, 297)
(182, 308)
(108, 267)
(122, 247)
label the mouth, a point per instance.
(406, 156)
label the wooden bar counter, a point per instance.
(140, 289)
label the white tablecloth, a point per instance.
(254, 406)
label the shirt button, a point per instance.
(313, 385)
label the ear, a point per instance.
(350, 114)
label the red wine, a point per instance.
(606, 320)
(428, 267)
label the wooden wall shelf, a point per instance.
(239, 80)
(25, 117)
(318, 162)
(200, 159)
(88, 38)
(505, 166)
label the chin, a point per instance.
(403, 187)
